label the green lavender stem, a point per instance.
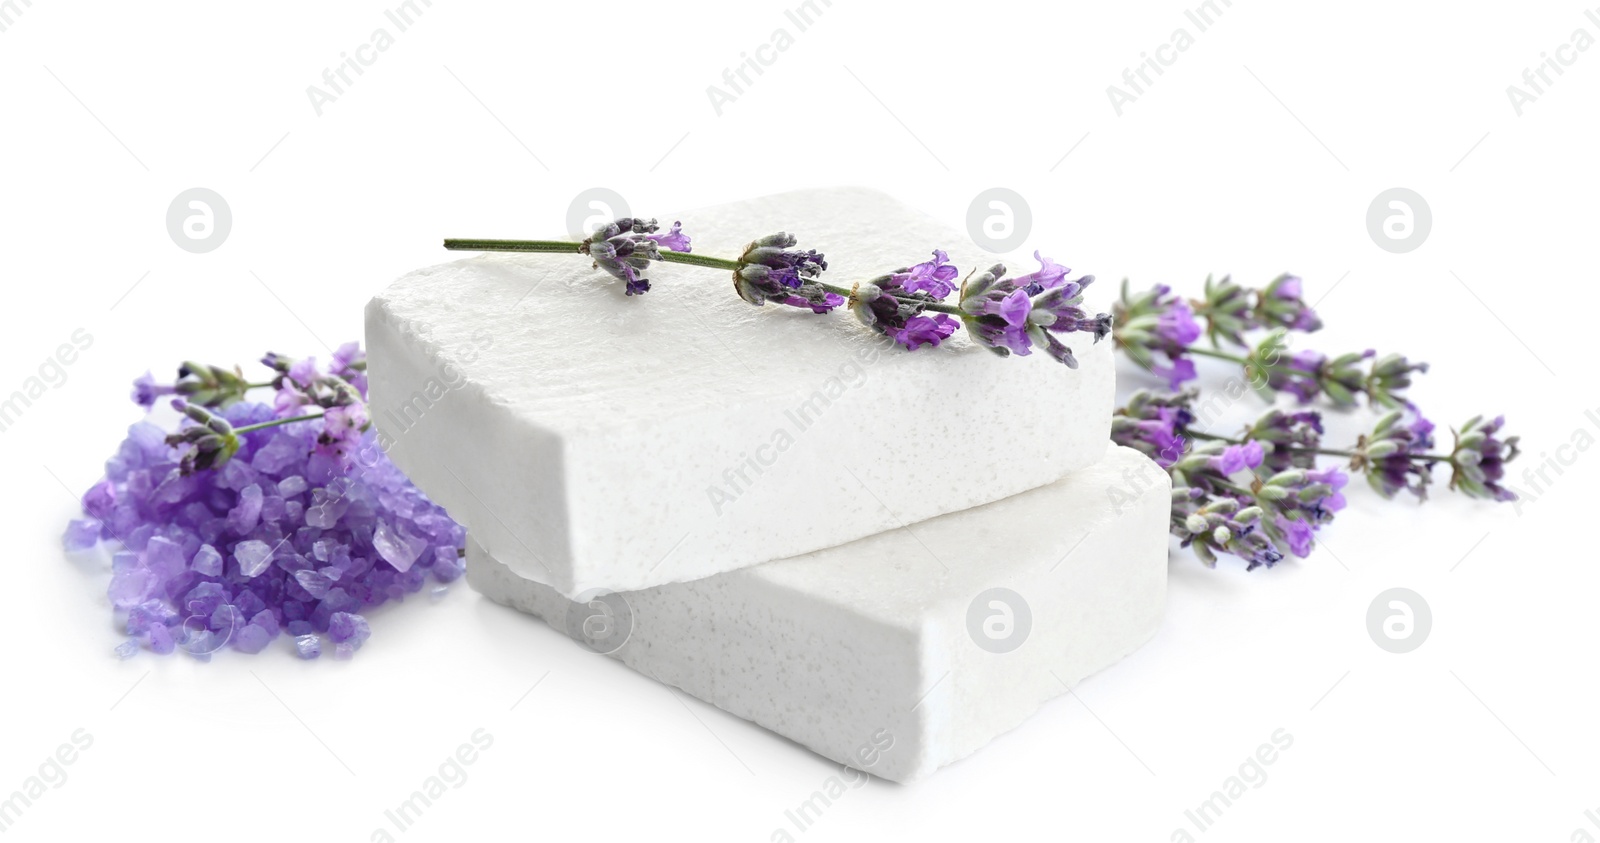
(456, 244)
(699, 260)
(1327, 452)
(1244, 361)
(513, 245)
(274, 423)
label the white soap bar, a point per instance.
(588, 439)
(936, 638)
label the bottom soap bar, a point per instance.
(931, 640)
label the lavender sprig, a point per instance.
(1230, 311)
(1158, 324)
(1270, 369)
(1007, 316)
(1261, 496)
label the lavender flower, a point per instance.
(197, 383)
(926, 330)
(350, 362)
(342, 429)
(146, 391)
(1308, 374)
(624, 248)
(936, 277)
(674, 240)
(1304, 501)
(1281, 305)
(1155, 425)
(888, 308)
(1299, 535)
(1237, 458)
(1009, 315)
(770, 270)
(1313, 496)
(210, 439)
(894, 304)
(1390, 374)
(1157, 322)
(1391, 454)
(1291, 439)
(1228, 311)
(1048, 276)
(1303, 376)
(1478, 461)
(1221, 525)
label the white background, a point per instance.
(1257, 151)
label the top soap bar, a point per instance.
(595, 441)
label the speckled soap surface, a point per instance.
(593, 440)
(935, 639)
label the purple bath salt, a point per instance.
(240, 527)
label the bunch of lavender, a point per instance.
(1156, 326)
(1261, 496)
(1005, 315)
(253, 520)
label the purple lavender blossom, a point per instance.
(1180, 372)
(146, 391)
(1157, 322)
(625, 247)
(1012, 315)
(1291, 438)
(771, 270)
(674, 240)
(304, 372)
(350, 364)
(936, 277)
(1237, 458)
(1335, 480)
(1176, 323)
(1478, 462)
(828, 302)
(1048, 276)
(1281, 305)
(1155, 425)
(1302, 377)
(1299, 534)
(1221, 525)
(1391, 454)
(895, 312)
(341, 435)
(926, 330)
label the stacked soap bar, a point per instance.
(945, 634)
(589, 439)
(778, 511)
